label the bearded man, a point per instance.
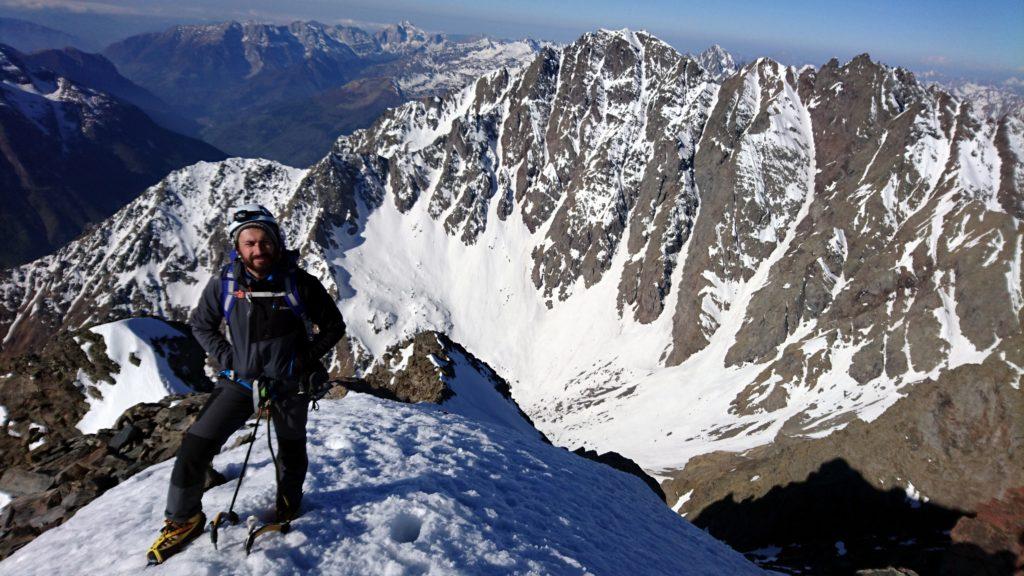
(269, 352)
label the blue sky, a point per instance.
(984, 37)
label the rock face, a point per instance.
(70, 156)
(49, 467)
(417, 374)
(41, 402)
(993, 540)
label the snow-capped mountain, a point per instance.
(658, 263)
(404, 37)
(717, 62)
(395, 488)
(97, 73)
(235, 78)
(71, 156)
(440, 67)
(994, 101)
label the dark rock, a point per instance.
(623, 464)
(68, 473)
(19, 482)
(422, 378)
(124, 436)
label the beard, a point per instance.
(260, 264)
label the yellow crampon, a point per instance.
(174, 536)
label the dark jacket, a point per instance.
(267, 339)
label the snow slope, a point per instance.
(128, 341)
(402, 489)
(475, 397)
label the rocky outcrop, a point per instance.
(53, 482)
(49, 467)
(42, 404)
(622, 464)
(416, 370)
(430, 367)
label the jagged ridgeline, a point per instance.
(660, 260)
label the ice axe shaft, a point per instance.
(230, 515)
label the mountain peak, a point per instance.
(717, 62)
(404, 35)
(631, 36)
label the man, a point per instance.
(268, 304)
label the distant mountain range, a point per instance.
(267, 91)
(70, 155)
(282, 92)
(28, 36)
(97, 73)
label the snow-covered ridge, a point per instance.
(57, 106)
(394, 488)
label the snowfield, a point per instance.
(401, 489)
(149, 381)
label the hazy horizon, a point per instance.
(935, 40)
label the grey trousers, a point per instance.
(229, 406)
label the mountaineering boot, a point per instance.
(287, 506)
(174, 536)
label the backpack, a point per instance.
(231, 291)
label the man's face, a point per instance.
(257, 250)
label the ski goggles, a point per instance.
(247, 215)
